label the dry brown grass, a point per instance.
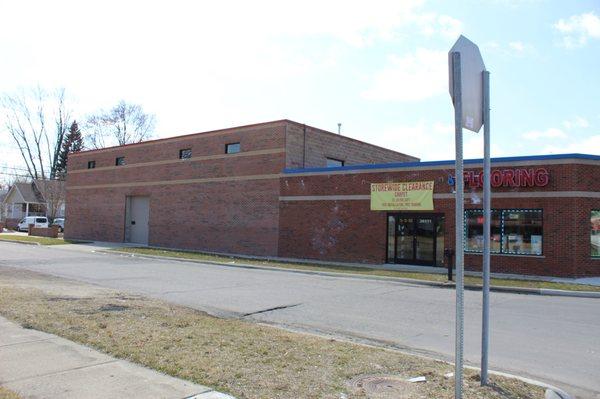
(7, 394)
(239, 357)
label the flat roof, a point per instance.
(254, 125)
(427, 164)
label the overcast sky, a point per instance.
(377, 67)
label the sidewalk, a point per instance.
(39, 365)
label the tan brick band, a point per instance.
(173, 182)
(534, 194)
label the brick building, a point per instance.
(215, 191)
(283, 189)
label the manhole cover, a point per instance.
(383, 386)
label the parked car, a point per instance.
(60, 222)
(37, 221)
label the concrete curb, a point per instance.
(557, 391)
(211, 395)
(512, 290)
(20, 242)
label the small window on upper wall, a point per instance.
(185, 153)
(232, 148)
(119, 161)
(334, 163)
(91, 164)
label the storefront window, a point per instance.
(513, 231)
(474, 230)
(595, 233)
(522, 233)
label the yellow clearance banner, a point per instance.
(406, 196)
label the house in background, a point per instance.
(2, 208)
(37, 198)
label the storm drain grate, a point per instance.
(382, 387)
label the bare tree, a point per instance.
(61, 122)
(53, 192)
(123, 124)
(27, 116)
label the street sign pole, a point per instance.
(466, 79)
(459, 217)
(487, 196)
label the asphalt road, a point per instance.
(553, 339)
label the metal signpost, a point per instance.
(468, 89)
(487, 216)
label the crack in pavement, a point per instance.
(271, 309)
(57, 372)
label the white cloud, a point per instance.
(557, 141)
(431, 141)
(578, 29)
(587, 145)
(436, 24)
(514, 48)
(517, 46)
(491, 45)
(576, 122)
(550, 133)
(412, 77)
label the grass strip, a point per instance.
(245, 359)
(39, 240)
(442, 278)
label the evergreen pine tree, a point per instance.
(73, 142)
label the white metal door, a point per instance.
(138, 220)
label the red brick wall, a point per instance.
(313, 148)
(347, 230)
(332, 230)
(225, 215)
(51, 231)
(233, 212)
(252, 138)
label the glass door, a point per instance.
(405, 240)
(415, 239)
(424, 241)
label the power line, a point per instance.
(13, 174)
(13, 168)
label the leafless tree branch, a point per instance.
(26, 119)
(123, 124)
